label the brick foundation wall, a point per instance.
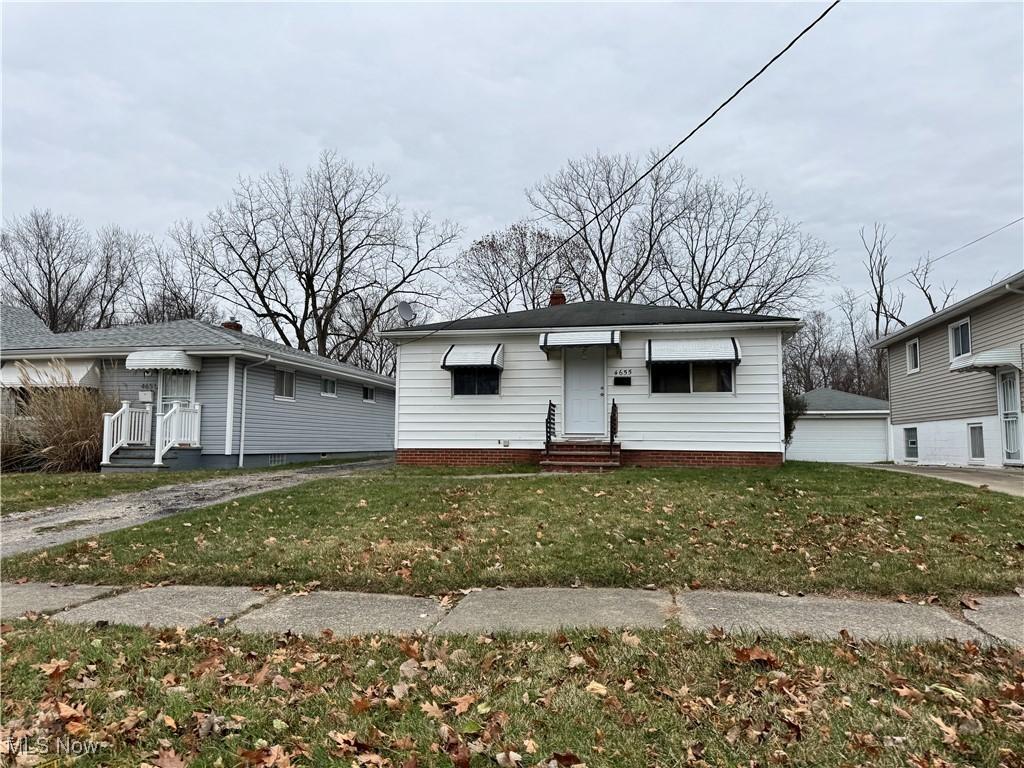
(467, 457)
(640, 458)
(470, 457)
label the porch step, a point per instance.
(555, 465)
(582, 456)
(140, 459)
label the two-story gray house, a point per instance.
(955, 381)
(196, 394)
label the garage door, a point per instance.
(840, 440)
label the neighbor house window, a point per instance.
(284, 385)
(910, 442)
(691, 377)
(369, 395)
(476, 381)
(329, 387)
(913, 356)
(960, 338)
(976, 442)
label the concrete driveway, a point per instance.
(1006, 480)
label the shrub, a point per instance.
(61, 427)
(794, 406)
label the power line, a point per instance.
(640, 178)
(929, 262)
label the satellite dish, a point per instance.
(406, 312)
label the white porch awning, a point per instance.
(725, 350)
(50, 373)
(474, 356)
(563, 339)
(153, 359)
(991, 358)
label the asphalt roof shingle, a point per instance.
(19, 325)
(596, 313)
(181, 334)
(833, 400)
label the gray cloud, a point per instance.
(910, 114)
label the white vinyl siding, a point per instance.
(747, 419)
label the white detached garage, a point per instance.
(841, 427)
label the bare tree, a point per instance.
(46, 264)
(731, 250)
(938, 297)
(170, 283)
(321, 260)
(514, 268)
(120, 257)
(886, 299)
(619, 249)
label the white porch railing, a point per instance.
(128, 426)
(178, 426)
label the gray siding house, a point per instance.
(196, 394)
(955, 381)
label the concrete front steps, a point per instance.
(140, 459)
(581, 456)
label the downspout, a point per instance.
(1011, 289)
(241, 428)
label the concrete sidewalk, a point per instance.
(998, 619)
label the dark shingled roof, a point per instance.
(834, 400)
(596, 313)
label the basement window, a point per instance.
(910, 443)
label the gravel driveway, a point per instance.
(40, 529)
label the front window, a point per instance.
(476, 381)
(284, 385)
(329, 387)
(913, 356)
(691, 377)
(910, 442)
(960, 338)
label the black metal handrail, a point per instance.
(549, 426)
(613, 426)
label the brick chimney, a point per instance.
(557, 297)
(232, 325)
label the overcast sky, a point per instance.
(911, 114)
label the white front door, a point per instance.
(1009, 414)
(584, 390)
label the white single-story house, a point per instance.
(841, 427)
(194, 394)
(594, 384)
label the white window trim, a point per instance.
(283, 398)
(333, 394)
(373, 390)
(652, 393)
(972, 459)
(917, 343)
(949, 336)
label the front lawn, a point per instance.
(26, 491)
(170, 699)
(812, 527)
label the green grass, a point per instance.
(604, 699)
(27, 491)
(811, 527)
